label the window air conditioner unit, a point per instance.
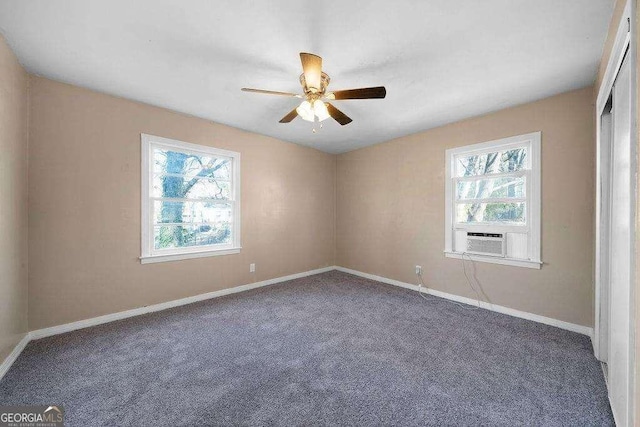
(492, 244)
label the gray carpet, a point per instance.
(330, 349)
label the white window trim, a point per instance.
(534, 210)
(149, 254)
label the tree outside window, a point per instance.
(485, 185)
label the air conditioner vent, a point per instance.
(492, 244)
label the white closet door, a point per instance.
(621, 238)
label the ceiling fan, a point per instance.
(314, 83)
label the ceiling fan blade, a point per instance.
(338, 115)
(289, 117)
(364, 93)
(270, 92)
(312, 68)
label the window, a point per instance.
(494, 187)
(190, 200)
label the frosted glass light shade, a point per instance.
(320, 110)
(305, 110)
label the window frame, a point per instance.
(532, 199)
(148, 252)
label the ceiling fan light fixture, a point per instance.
(320, 110)
(305, 110)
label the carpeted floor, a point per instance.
(330, 349)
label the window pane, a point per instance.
(190, 165)
(504, 213)
(180, 236)
(195, 188)
(210, 189)
(498, 162)
(505, 187)
(191, 212)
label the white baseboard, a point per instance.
(8, 361)
(585, 330)
(60, 329)
(55, 330)
(67, 327)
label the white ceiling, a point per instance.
(440, 60)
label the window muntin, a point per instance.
(491, 187)
(191, 200)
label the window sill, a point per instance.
(496, 260)
(149, 259)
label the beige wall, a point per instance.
(84, 207)
(13, 200)
(390, 216)
(85, 201)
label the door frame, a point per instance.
(625, 40)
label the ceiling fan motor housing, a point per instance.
(324, 82)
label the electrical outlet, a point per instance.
(418, 270)
(252, 268)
